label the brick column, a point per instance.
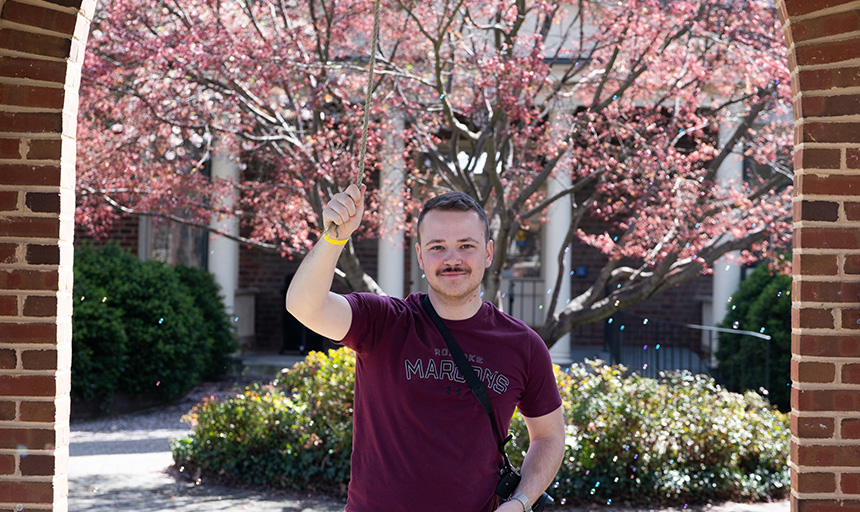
(823, 38)
(41, 51)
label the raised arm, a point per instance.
(309, 297)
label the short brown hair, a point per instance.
(455, 201)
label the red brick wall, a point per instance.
(263, 273)
(124, 233)
(43, 47)
(824, 45)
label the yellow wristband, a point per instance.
(333, 241)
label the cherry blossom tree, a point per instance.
(632, 106)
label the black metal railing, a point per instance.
(526, 299)
(649, 345)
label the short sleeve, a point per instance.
(541, 394)
(373, 318)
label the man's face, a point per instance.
(453, 252)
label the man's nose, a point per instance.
(452, 257)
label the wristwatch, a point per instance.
(522, 498)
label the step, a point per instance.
(261, 364)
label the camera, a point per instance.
(509, 479)
(508, 482)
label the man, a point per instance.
(422, 441)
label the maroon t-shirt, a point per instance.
(421, 441)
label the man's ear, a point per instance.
(418, 255)
(489, 256)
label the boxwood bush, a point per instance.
(629, 438)
(143, 328)
(218, 332)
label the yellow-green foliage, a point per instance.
(679, 438)
(293, 433)
(631, 438)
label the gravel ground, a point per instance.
(123, 463)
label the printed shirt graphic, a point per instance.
(421, 439)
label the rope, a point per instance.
(366, 119)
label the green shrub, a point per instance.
(139, 328)
(100, 344)
(628, 437)
(218, 331)
(294, 433)
(679, 438)
(761, 304)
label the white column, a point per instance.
(416, 275)
(144, 238)
(727, 272)
(559, 217)
(223, 260)
(390, 261)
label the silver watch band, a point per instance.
(522, 498)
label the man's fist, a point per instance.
(342, 215)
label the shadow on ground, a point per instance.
(161, 493)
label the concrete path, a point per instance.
(123, 464)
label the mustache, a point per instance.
(452, 269)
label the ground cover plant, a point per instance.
(681, 438)
(295, 432)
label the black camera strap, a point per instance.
(472, 379)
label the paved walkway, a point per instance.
(124, 464)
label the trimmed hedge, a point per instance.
(629, 438)
(218, 332)
(144, 328)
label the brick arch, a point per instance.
(41, 50)
(42, 44)
(823, 38)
